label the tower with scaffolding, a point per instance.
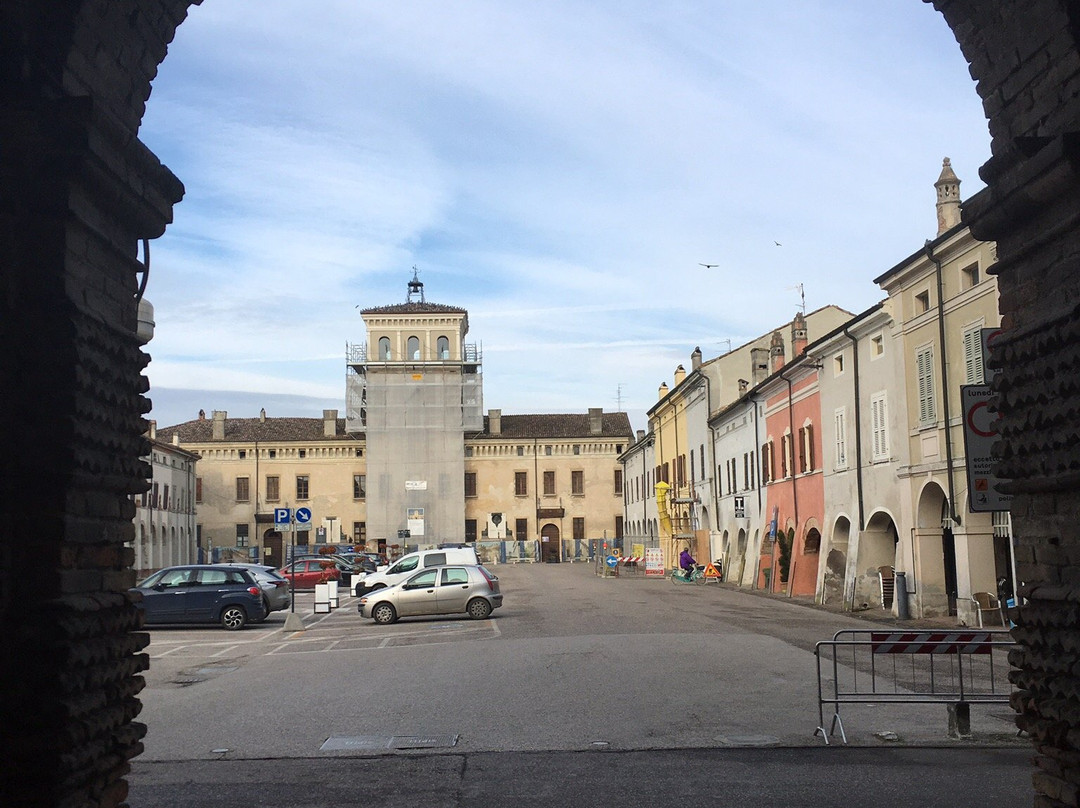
(414, 389)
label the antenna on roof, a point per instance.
(618, 398)
(802, 297)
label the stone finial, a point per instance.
(948, 198)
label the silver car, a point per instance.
(275, 587)
(452, 589)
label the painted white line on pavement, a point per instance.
(226, 649)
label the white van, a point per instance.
(407, 564)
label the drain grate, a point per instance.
(422, 741)
(345, 743)
(359, 742)
(749, 740)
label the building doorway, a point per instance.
(273, 552)
(549, 544)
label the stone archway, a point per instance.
(933, 556)
(876, 559)
(834, 576)
(81, 191)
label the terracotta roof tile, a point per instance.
(414, 308)
(572, 425)
(253, 429)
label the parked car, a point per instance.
(306, 572)
(400, 569)
(468, 588)
(366, 562)
(274, 585)
(201, 593)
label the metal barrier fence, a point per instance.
(957, 668)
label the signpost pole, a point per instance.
(283, 516)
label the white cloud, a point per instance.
(559, 170)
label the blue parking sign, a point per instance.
(282, 516)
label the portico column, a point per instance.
(79, 193)
(1033, 213)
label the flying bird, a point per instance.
(778, 244)
(708, 266)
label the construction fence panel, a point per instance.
(868, 666)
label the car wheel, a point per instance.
(478, 609)
(233, 618)
(384, 613)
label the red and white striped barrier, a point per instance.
(632, 559)
(932, 642)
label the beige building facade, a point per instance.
(941, 299)
(414, 463)
(166, 530)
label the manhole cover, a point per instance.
(216, 669)
(749, 740)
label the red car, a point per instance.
(306, 572)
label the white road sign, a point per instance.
(980, 435)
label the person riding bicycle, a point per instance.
(687, 563)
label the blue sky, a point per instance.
(558, 169)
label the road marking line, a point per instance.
(226, 650)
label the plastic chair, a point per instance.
(986, 602)
(886, 576)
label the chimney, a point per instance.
(262, 415)
(152, 430)
(202, 415)
(640, 435)
(218, 427)
(759, 365)
(175, 438)
(596, 420)
(948, 198)
(798, 335)
(695, 359)
(776, 351)
(680, 374)
(744, 385)
(329, 423)
(494, 422)
(660, 393)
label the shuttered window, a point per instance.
(840, 422)
(879, 427)
(973, 358)
(924, 369)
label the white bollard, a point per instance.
(322, 599)
(333, 593)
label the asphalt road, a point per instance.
(581, 690)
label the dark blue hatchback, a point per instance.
(201, 593)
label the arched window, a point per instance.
(443, 346)
(384, 348)
(414, 347)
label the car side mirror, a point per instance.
(159, 587)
